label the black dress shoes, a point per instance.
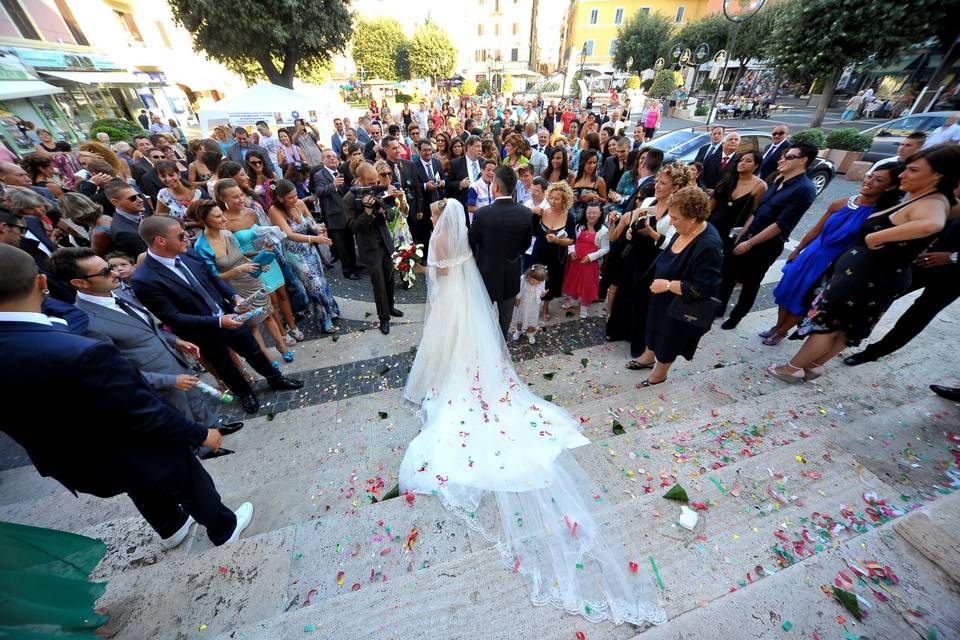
(283, 382)
(396, 313)
(950, 393)
(384, 327)
(730, 323)
(858, 358)
(209, 455)
(351, 276)
(228, 428)
(250, 403)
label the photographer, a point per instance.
(367, 217)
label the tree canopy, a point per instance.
(376, 46)
(712, 29)
(282, 37)
(664, 83)
(432, 53)
(644, 37)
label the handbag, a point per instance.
(700, 313)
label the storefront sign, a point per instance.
(64, 60)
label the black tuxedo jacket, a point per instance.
(769, 164)
(499, 236)
(702, 152)
(711, 169)
(426, 198)
(128, 438)
(409, 184)
(139, 168)
(331, 198)
(177, 303)
(373, 238)
(457, 172)
(612, 172)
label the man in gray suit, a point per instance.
(238, 151)
(122, 321)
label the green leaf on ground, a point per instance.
(548, 397)
(849, 602)
(618, 429)
(382, 414)
(676, 492)
(549, 376)
(584, 361)
(271, 416)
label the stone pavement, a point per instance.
(801, 486)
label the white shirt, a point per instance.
(170, 263)
(30, 316)
(422, 117)
(882, 163)
(943, 134)
(29, 236)
(110, 302)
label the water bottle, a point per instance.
(223, 396)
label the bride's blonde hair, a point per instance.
(437, 207)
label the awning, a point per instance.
(95, 77)
(12, 89)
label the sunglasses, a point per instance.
(254, 163)
(157, 157)
(779, 133)
(791, 156)
(103, 273)
(385, 174)
(23, 229)
(134, 198)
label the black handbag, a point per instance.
(700, 313)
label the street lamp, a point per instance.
(490, 69)
(583, 60)
(746, 11)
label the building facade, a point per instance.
(592, 26)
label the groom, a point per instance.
(499, 235)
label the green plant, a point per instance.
(848, 140)
(702, 109)
(404, 98)
(633, 82)
(646, 84)
(483, 87)
(708, 86)
(468, 88)
(116, 128)
(664, 83)
(810, 136)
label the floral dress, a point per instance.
(304, 261)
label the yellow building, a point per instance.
(593, 25)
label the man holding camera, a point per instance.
(368, 210)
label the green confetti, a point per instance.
(618, 429)
(579, 565)
(334, 338)
(849, 602)
(719, 486)
(549, 376)
(568, 352)
(676, 492)
(584, 361)
(656, 572)
(548, 397)
(787, 625)
(271, 416)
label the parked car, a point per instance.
(683, 144)
(888, 135)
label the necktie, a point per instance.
(429, 168)
(770, 150)
(132, 311)
(182, 268)
(723, 163)
(473, 171)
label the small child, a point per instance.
(123, 265)
(581, 282)
(526, 312)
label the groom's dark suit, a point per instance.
(499, 235)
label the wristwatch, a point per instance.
(953, 258)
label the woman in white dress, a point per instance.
(484, 431)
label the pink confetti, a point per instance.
(224, 570)
(384, 551)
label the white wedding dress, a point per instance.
(484, 431)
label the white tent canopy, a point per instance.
(278, 106)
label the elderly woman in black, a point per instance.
(686, 281)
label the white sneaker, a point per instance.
(297, 334)
(178, 537)
(289, 340)
(516, 336)
(532, 338)
(583, 312)
(244, 516)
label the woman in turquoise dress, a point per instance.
(289, 213)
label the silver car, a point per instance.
(888, 135)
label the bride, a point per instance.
(484, 431)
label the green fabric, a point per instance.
(44, 591)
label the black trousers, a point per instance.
(215, 349)
(346, 250)
(940, 288)
(380, 268)
(191, 491)
(505, 314)
(747, 269)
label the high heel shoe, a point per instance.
(813, 372)
(774, 339)
(288, 356)
(792, 378)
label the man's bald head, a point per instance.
(13, 175)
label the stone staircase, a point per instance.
(771, 462)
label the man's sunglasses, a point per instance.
(103, 273)
(791, 156)
(23, 229)
(134, 197)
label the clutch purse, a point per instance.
(699, 313)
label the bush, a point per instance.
(811, 136)
(633, 82)
(702, 109)
(646, 84)
(664, 84)
(708, 86)
(483, 87)
(403, 98)
(116, 128)
(848, 140)
(468, 88)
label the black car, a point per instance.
(888, 135)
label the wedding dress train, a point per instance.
(484, 431)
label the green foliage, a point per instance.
(817, 87)
(702, 109)
(402, 65)
(633, 82)
(646, 84)
(432, 53)
(405, 98)
(811, 136)
(708, 86)
(468, 88)
(507, 86)
(376, 44)
(754, 38)
(644, 37)
(116, 128)
(848, 140)
(712, 29)
(483, 87)
(313, 71)
(279, 36)
(664, 83)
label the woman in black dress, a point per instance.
(736, 197)
(688, 269)
(553, 231)
(871, 274)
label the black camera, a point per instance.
(376, 190)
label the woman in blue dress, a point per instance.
(836, 231)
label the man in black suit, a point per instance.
(771, 155)
(500, 234)
(604, 117)
(131, 441)
(402, 171)
(178, 288)
(430, 183)
(464, 171)
(722, 162)
(616, 165)
(150, 182)
(367, 218)
(707, 150)
(128, 211)
(373, 147)
(141, 166)
(331, 186)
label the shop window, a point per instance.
(163, 35)
(20, 19)
(514, 55)
(479, 29)
(496, 29)
(129, 25)
(67, 16)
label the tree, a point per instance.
(712, 29)
(265, 37)
(403, 61)
(507, 85)
(664, 83)
(376, 45)
(847, 33)
(316, 72)
(432, 54)
(644, 37)
(468, 88)
(633, 82)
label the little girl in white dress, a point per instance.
(526, 313)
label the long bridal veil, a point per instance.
(484, 431)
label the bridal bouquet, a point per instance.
(404, 258)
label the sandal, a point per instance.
(288, 356)
(648, 383)
(774, 339)
(633, 365)
(813, 372)
(792, 378)
(767, 333)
